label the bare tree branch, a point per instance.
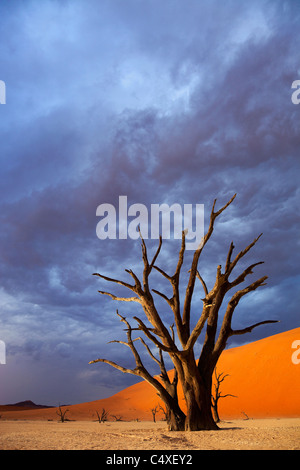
(138, 285)
(222, 286)
(174, 302)
(121, 299)
(116, 281)
(144, 296)
(116, 366)
(202, 282)
(156, 254)
(250, 328)
(193, 272)
(169, 301)
(161, 271)
(226, 330)
(157, 343)
(244, 274)
(211, 305)
(149, 350)
(230, 265)
(228, 260)
(148, 267)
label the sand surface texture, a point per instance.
(252, 434)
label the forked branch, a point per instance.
(193, 272)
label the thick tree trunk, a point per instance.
(199, 414)
(176, 420)
(174, 414)
(197, 397)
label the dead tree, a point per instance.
(62, 413)
(215, 397)
(154, 411)
(194, 376)
(118, 417)
(103, 416)
(164, 411)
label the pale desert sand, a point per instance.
(252, 434)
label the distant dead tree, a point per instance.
(216, 395)
(165, 412)
(103, 416)
(62, 413)
(154, 412)
(195, 377)
(117, 417)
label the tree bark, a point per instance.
(199, 414)
(197, 397)
(216, 413)
(175, 419)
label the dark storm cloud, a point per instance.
(159, 102)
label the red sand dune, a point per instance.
(261, 374)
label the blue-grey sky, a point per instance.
(164, 102)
